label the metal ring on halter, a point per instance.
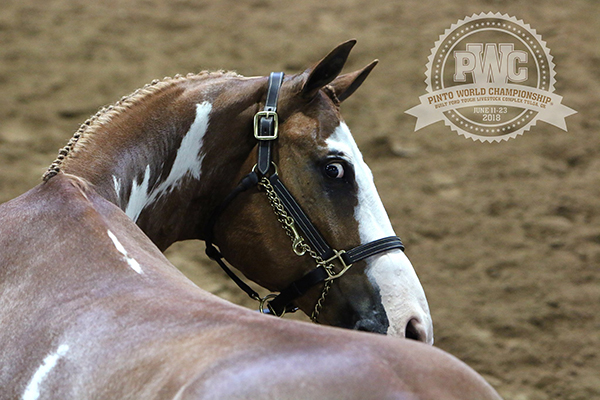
(272, 163)
(345, 267)
(263, 301)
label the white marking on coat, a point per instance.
(188, 162)
(401, 292)
(32, 391)
(117, 183)
(130, 260)
(138, 197)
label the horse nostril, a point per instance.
(415, 331)
(369, 325)
(362, 327)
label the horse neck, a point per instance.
(167, 156)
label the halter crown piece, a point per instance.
(292, 219)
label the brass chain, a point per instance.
(299, 246)
(315, 314)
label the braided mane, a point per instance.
(105, 114)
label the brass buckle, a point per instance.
(333, 275)
(266, 114)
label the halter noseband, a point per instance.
(292, 217)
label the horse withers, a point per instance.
(169, 155)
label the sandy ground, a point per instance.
(505, 237)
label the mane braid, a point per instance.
(105, 114)
(330, 92)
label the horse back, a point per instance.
(80, 320)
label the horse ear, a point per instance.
(344, 85)
(326, 70)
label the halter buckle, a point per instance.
(266, 114)
(331, 273)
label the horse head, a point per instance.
(171, 154)
(320, 164)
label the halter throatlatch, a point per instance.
(295, 222)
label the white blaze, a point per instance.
(32, 391)
(401, 292)
(188, 162)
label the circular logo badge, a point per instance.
(490, 77)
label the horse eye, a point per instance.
(334, 170)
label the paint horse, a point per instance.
(169, 155)
(91, 309)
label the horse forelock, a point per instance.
(105, 115)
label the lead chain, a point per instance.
(286, 220)
(315, 314)
(299, 246)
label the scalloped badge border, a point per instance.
(552, 111)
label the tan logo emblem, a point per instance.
(490, 77)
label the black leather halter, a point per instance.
(266, 132)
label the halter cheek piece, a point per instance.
(291, 217)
